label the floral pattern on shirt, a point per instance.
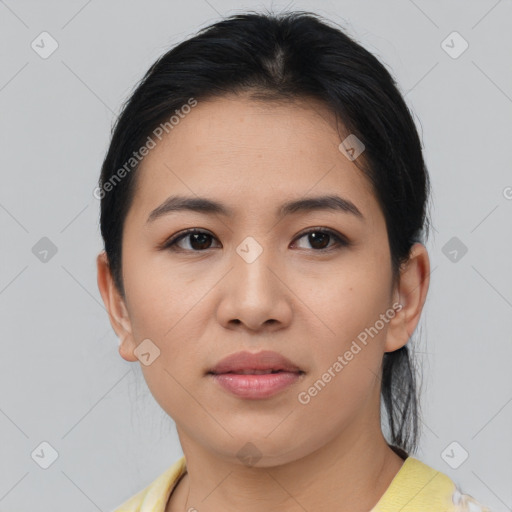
(466, 503)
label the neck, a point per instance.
(350, 473)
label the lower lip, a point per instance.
(256, 386)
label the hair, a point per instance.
(282, 57)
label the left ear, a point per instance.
(411, 293)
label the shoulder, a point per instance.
(154, 497)
(418, 487)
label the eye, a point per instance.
(198, 241)
(319, 239)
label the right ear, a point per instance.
(116, 308)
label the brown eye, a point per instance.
(319, 239)
(198, 241)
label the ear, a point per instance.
(411, 292)
(116, 308)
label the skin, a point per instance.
(199, 307)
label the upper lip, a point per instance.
(265, 360)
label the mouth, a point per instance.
(248, 363)
(254, 372)
(255, 376)
(256, 386)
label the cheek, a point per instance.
(350, 300)
(165, 309)
(349, 354)
(159, 298)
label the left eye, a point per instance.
(319, 239)
(200, 241)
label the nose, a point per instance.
(254, 295)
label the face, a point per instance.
(304, 283)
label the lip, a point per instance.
(252, 385)
(265, 360)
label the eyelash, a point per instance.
(340, 241)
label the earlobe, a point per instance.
(411, 293)
(126, 348)
(116, 308)
(397, 335)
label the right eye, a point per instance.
(198, 240)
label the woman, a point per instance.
(263, 208)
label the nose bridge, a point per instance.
(251, 261)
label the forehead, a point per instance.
(251, 154)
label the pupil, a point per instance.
(201, 238)
(315, 237)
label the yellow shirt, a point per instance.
(415, 488)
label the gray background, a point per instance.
(62, 379)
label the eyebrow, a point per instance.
(211, 207)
